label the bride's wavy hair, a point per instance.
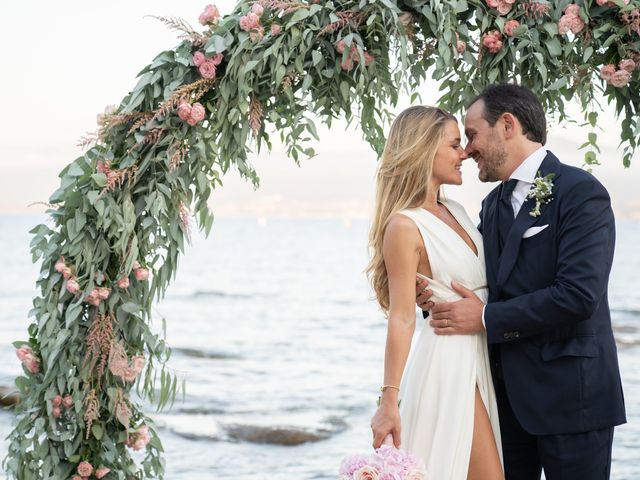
(402, 180)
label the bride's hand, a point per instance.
(386, 420)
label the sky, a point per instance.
(65, 61)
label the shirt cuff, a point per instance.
(483, 322)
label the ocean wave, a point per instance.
(195, 353)
(627, 311)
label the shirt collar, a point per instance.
(527, 170)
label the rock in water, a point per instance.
(8, 396)
(275, 435)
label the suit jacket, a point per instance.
(548, 310)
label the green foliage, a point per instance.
(123, 205)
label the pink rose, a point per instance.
(85, 469)
(249, 21)
(102, 471)
(257, 9)
(60, 265)
(72, 286)
(510, 26)
(504, 8)
(67, 401)
(564, 24)
(492, 41)
(620, 78)
(197, 112)
(572, 10)
(123, 283)
(366, 473)
(143, 273)
(23, 352)
(93, 298)
(275, 29)
(244, 24)
(577, 25)
(217, 59)
(103, 293)
(184, 112)
(628, 65)
(607, 72)
(32, 364)
(56, 412)
(192, 122)
(210, 15)
(461, 46)
(198, 58)
(207, 70)
(56, 401)
(492, 3)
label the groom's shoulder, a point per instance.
(576, 178)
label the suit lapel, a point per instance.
(523, 221)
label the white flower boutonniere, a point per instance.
(541, 192)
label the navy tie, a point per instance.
(505, 211)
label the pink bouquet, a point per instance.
(386, 463)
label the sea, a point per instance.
(273, 327)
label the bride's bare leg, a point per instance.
(485, 462)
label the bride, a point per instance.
(447, 412)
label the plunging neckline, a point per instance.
(477, 255)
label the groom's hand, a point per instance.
(459, 317)
(423, 294)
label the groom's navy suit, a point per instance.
(553, 352)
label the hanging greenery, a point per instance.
(120, 218)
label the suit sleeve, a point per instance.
(585, 243)
(481, 215)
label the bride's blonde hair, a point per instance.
(402, 180)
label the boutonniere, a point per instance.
(541, 192)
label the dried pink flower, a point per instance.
(85, 469)
(72, 286)
(368, 59)
(60, 265)
(56, 401)
(577, 25)
(461, 46)
(31, 363)
(103, 293)
(257, 34)
(93, 298)
(217, 59)
(184, 112)
(56, 412)
(275, 29)
(66, 273)
(572, 10)
(564, 24)
(492, 41)
(257, 9)
(123, 283)
(197, 112)
(142, 273)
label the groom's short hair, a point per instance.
(519, 101)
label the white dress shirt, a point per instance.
(525, 174)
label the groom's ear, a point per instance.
(510, 125)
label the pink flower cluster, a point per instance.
(353, 57)
(139, 439)
(85, 469)
(503, 6)
(139, 271)
(251, 22)
(492, 41)
(28, 359)
(192, 114)
(58, 402)
(536, 9)
(97, 295)
(570, 21)
(210, 16)
(120, 366)
(607, 3)
(618, 78)
(510, 26)
(387, 463)
(207, 66)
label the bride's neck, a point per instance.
(431, 201)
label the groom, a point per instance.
(548, 258)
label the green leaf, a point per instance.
(554, 47)
(100, 179)
(97, 431)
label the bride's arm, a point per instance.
(401, 255)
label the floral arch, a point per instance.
(120, 216)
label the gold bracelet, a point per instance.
(384, 387)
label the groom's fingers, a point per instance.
(445, 331)
(440, 309)
(462, 290)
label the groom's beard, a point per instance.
(493, 158)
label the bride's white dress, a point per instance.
(439, 381)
